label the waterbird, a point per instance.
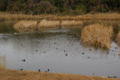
(48, 70)
(38, 70)
(82, 53)
(66, 54)
(90, 49)
(23, 60)
(64, 50)
(36, 50)
(55, 43)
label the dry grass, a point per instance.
(97, 35)
(98, 16)
(73, 18)
(23, 26)
(30, 75)
(47, 24)
(71, 23)
(7, 16)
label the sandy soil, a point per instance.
(31, 75)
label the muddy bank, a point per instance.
(97, 35)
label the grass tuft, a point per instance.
(97, 35)
(23, 26)
(47, 24)
(71, 23)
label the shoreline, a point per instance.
(7, 74)
(96, 16)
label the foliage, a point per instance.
(59, 6)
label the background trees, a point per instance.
(73, 7)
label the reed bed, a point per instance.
(73, 18)
(7, 16)
(71, 23)
(97, 16)
(97, 35)
(25, 24)
(47, 24)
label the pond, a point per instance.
(59, 50)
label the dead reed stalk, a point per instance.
(47, 24)
(71, 23)
(97, 35)
(118, 38)
(2, 62)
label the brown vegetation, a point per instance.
(97, 16)
(7, 16)
(97, 35)
(71, 23)
(23, 26)
(46, 24)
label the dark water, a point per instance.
(59, 50)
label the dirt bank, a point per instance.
(30, 75)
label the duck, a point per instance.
(23, 60)
(66, 54)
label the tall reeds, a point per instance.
(97, 35)
(47, 24)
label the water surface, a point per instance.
(59, 50)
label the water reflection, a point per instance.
(59, 50)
